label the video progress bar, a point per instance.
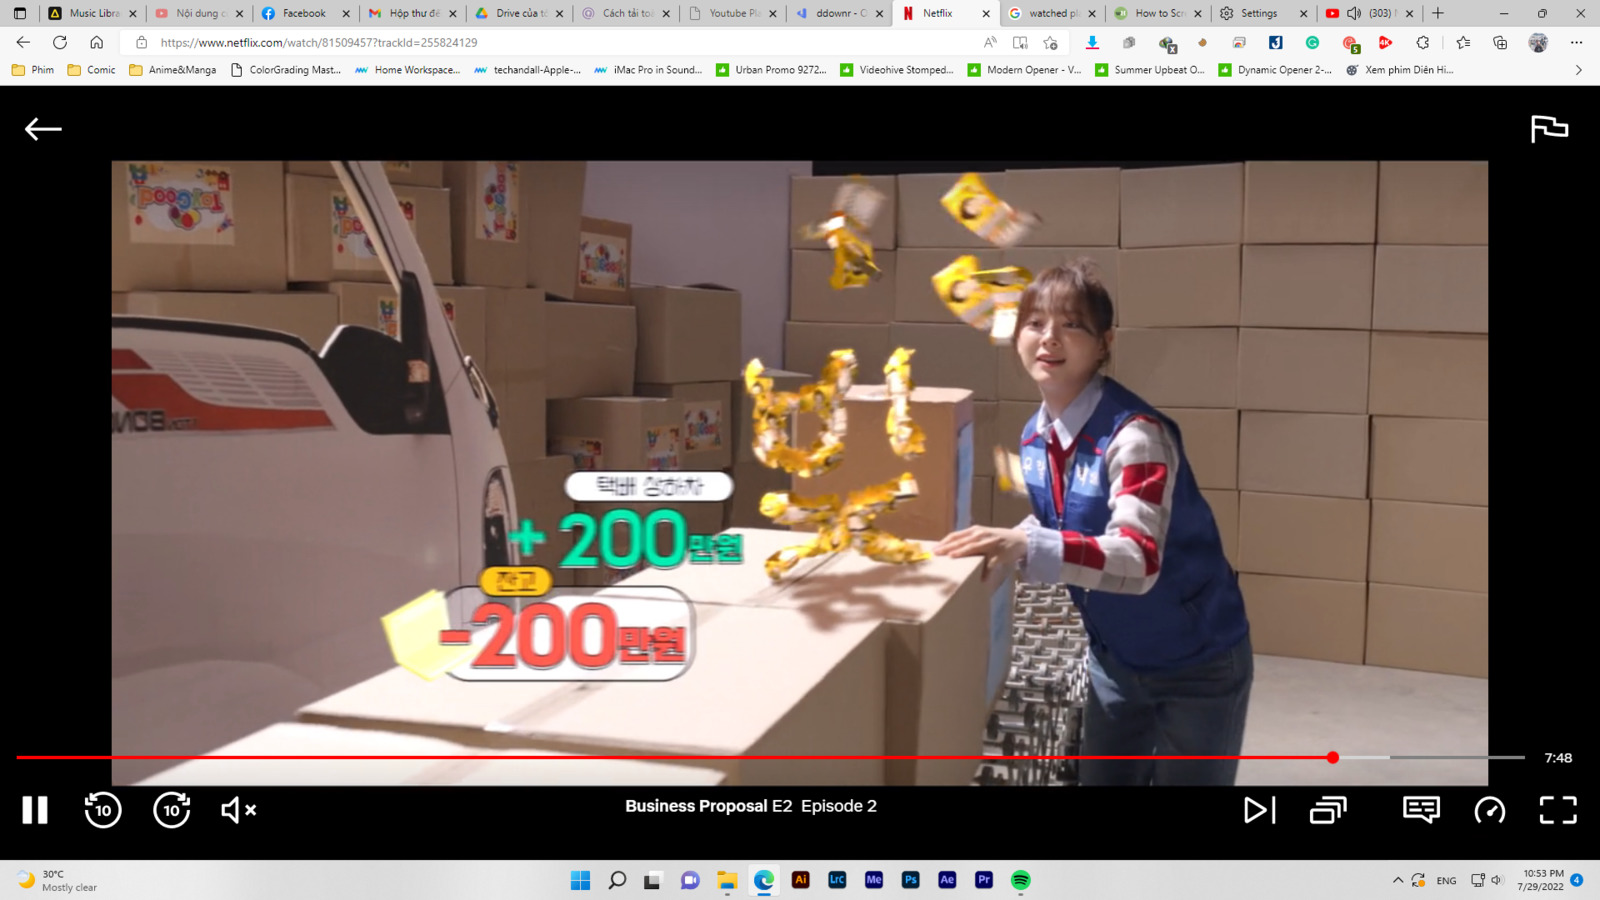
(1432, 756)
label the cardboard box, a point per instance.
(1433, 203)
(688, 335)
(420, 174)
(1284, 370)
(1306, 537)
(541, 488)
(743, 428)
(1428, 630)
(1225, 511)
(1182, 206)
(1431, 289)
(590, 349)
(326, 240)
(1108, 260)
(813, 299)
(1303, 453)
(915, 300)
(935, 675)
(1010, 418)
(707, 421)
(555, 221)
(376, 305)
(955, 356)
(393, 769)
(605, 257)
(985, 437)
(522, 401)
(1075, 206)
(1009, 509)
(1179, 287)
(1430, 545)
(807, 346)
(943, 473)
(1211, 443)
(311, 317)
(1306, 618)
(1306, 286)
(1310, 202)
(814, 692)
(516, 330)
(751, 482)
(982, 500)
(811, 202)
(488, 210)
(1180, 367)
(923, 220)
(1431, 460)
(1433, 376)
(632, 434)
(228, 236)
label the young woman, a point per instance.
(1118, 518)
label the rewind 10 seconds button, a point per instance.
(1490, 809)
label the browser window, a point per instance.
(728, 460)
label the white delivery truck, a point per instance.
(270, 502)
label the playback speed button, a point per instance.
(1490, 809)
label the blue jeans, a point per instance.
(1199, 711)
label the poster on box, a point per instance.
(352, 249)
(180, 205)
(702, 426)
(588, 454)
(450, 311)
(661, 449)
(389, 316)
(497, 214)
(603, 262)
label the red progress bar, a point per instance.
(1328, 758)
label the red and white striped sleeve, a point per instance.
(1142, 467)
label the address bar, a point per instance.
(572, 41)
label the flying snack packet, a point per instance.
(972, 204)
(986, 299)
(1008, 473)
(906, 437)
(772, 409)
(855, 207)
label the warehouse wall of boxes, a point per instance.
(1318, 330)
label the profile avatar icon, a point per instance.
(1538, 43)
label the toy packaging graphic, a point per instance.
(702, 426)
(603, 262)
(855, 207)
(352, 249)
(975, 206)
(389, 317)
(173, 205)
(661, 449)
(502, 191)
(588, 454)
(840, 525)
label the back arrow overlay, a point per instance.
(35, 126)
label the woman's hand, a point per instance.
(998, 546)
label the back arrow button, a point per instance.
(22, 41)
(34, 126)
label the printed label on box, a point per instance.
(588, 454)
(603, 262)
(702, 425)
(497, 213)
(389, 316)
(964, 478)
(352, 249)
(398, 166)
(171, 205)
(450, 311)
(661, 449)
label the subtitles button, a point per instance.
(1424, 808)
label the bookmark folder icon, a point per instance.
(135, 69)
(417, 635)
(74, 70)
(19, 69)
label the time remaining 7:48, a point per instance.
(1558, 757)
